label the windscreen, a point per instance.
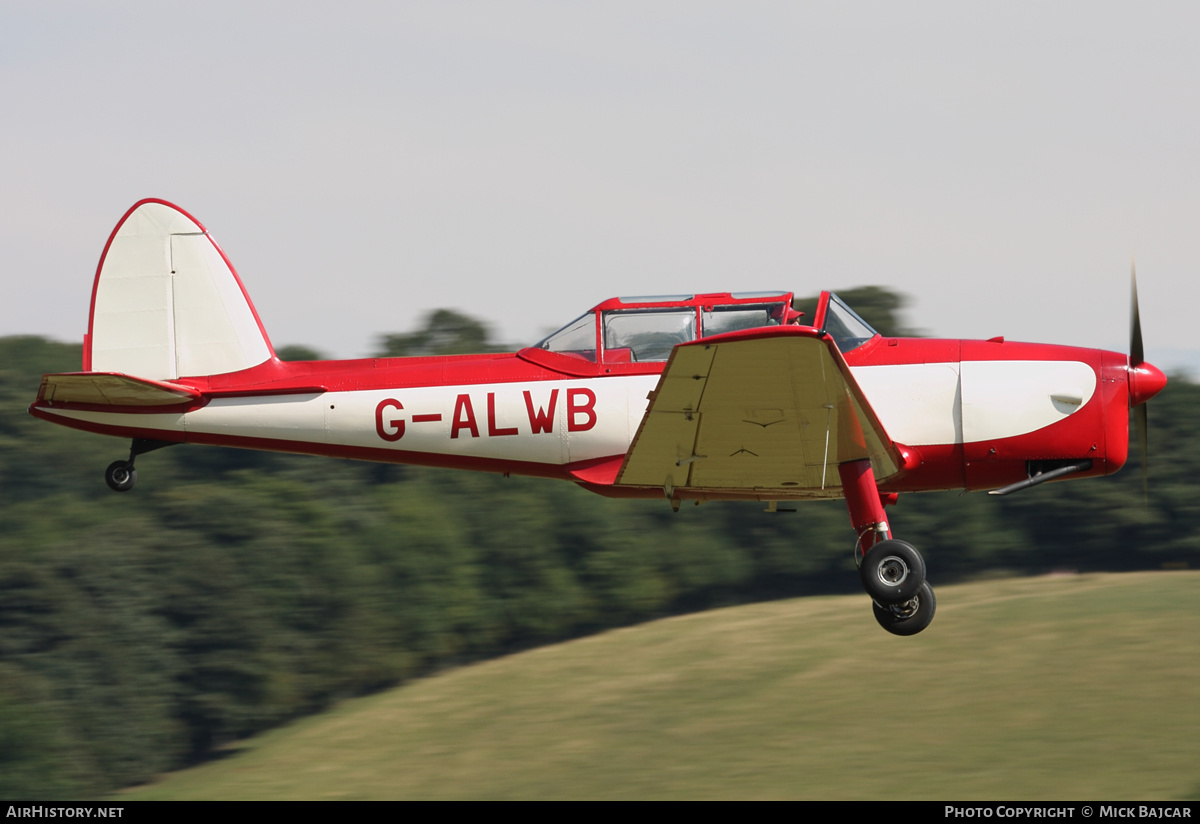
(848, 330)
(577, 338)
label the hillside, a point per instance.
(1060, 687)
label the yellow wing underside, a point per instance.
(773, 414)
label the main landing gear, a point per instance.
(909, 617)
(892, 572)
(121, 475)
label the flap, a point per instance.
(772, 410)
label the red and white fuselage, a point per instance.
(175, 353)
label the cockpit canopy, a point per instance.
(646, 329)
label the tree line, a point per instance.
(232, 591)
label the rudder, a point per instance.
(167, 303)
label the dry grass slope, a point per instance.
(1075, 687)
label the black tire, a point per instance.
(892, 572)
(910, 617)
(120, 476)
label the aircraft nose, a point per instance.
(1145, 381)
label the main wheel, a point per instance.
(910, 617)
(120, 476)
(892, 572)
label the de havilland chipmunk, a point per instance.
(726, 396)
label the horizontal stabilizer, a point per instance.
(111, 389)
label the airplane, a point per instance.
(695, 397)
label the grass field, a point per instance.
(1072, 687)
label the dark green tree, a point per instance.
(295, 352)
(877, 305)
(443, 332)
(880, 307)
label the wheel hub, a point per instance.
(892, 570)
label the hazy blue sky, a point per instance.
(362, 163)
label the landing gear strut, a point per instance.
(892, 572)
(121, 475)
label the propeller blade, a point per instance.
(1136, 356)
(1145, 382)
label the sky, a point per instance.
(362, 164)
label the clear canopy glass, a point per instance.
(577, 338)
(848, 330)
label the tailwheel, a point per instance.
(909, 617)
(892, 572)
(120, 476)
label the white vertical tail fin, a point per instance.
(167, 303)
